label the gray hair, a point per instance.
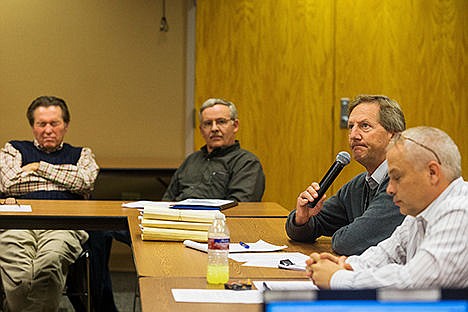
(391, 116)
(424, 144)
(213, 102)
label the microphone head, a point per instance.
(343, 158)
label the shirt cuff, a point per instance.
(43, 167)
(342, 279)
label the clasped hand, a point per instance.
(321, 267)
(31, 167)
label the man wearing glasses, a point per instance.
(429, 249)
(221, 169)
(361, 214)
(34, 263)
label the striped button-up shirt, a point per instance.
(429, 250)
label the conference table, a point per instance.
(105, 215)
(162, 265)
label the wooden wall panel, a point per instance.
(411, 50)
(286, 64)
(274, 60)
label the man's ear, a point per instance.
(434, 171)
(236, 125)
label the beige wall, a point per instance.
(122, 78)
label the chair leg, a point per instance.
(136, 295)
(88, 282)
(79, 284)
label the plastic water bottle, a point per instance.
(218, 251)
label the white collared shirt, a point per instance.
(39, 147)
(379, 174)
(429, 250)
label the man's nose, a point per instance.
(354, 133)
(390, 189)
(48, 128)
(214, 126)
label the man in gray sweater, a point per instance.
(361, 214)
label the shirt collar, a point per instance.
(430, 213)
(58, 148)
(220, 151)
(379, 174)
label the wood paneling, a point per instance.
(273, 59)
(287, 63)
(411, 50)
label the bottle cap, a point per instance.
(220, 215)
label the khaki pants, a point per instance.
(34, 266)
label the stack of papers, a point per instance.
(192, 204)
(160, 222)
(204, 204)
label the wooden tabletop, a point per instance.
(257, 210)
(105, 215)
(169, 259)
(162, 266)
(69, 214)
(156, 295)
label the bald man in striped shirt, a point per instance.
(429, 249)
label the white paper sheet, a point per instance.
(217, 296)
(204, 202)
(143, 203)
(285, 285)
(15, 208)
(270, 259)
(259, 246)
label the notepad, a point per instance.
(179, 215)
(181, 225)
(204, 204)
(174, 235)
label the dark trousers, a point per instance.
(99, 245)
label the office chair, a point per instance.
(78, 287)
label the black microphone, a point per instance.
(342, 159)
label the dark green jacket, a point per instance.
(226, 173)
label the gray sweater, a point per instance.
(343, 217)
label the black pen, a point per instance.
(266, 286)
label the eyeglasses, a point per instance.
(400, 136)
(220, 122)
(10, 201)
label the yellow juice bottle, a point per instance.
(218, 251)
